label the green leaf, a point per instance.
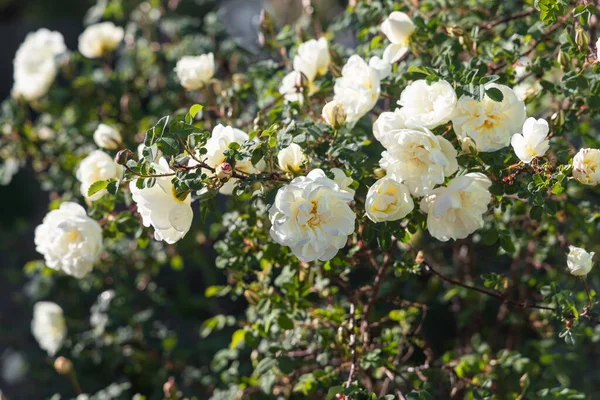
(96, 187)
(168, 145)
(237, 338)
(182, 129)
(333, 391)
(507, 244)
(266, 364)
(490, 237)
(285, 322)
(195, 109)
(536, 213)
(494, 94)
(113, 186)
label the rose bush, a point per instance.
(409, 215)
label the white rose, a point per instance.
(48, 326)
(386, 124)
(420, 159)
(312, 216)
(532, 142)
(383, 68)
(579, 261)
(69, 240)
(357, 89)
(586, 166)
(334, 114)
(98, 166)
(195, 72)
(171, 217)
(312, 58)
(598, 49)
(398, 28)
(455, 211)
(489, 123)
(291, 158)
(219, 141)
(388, 200)
(342, 180)
(107, 137)
(35, 65)
(289, 87)
(100, 39)
(427, 106)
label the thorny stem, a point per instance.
(587, 292)
(352, 344)
(376, 285)
(75, 382)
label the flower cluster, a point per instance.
(311, 60)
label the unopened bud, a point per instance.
(454, 31)
(63, 365)
(224, 171)
(239, 79)
(251, 296)
(558, 118)
(379, 173)
(170, 388)
(266, 20)
(582, 38)
(334, 114)
(420, 258)
(524, 382)
(467, 145)
(122, 156)
(107, 137)
(564, 60)
(301, 82)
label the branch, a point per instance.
(490, 25)
(497, 295)
(274, 176)
(266, 107)
(376, 285)
(545, 36)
